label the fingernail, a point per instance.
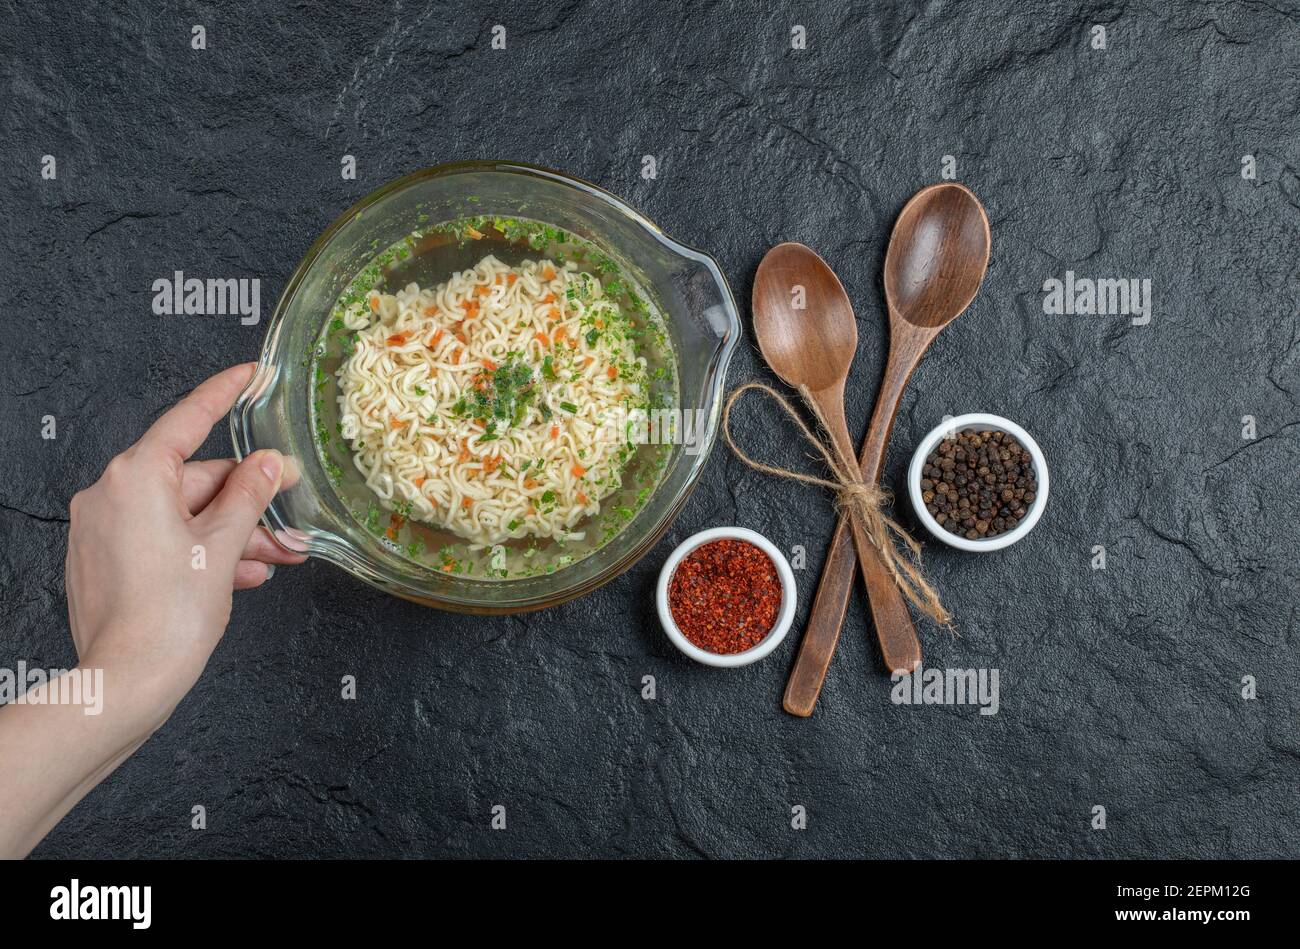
(270, 570)
(272, 464)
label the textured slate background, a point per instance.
(1119, 687)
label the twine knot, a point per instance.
(862, 500)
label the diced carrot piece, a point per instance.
(433, 341)
(419, 482)
(582, 498)
(530, 483)
(489, 365)
(472, 232)
(397, 339)
(553, 313)
(511, 278)
(532, 509)
(481, 290)
(588, 361)
(548, 272)
(549, 298)
(600, 324)
(464, 450)
(397, 423)
(559, 335)
(612, 372)
(374, 304)
(555, 431)
(459, 353)
(497, 281)
(391, 533)
(467, 503)
(396, 520)
(578, 471)
(429, 310)
(491, 464)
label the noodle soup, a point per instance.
(482, 395)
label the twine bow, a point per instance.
(862, 500)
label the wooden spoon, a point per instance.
(937, 258)
(806, 331)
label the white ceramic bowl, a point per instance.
(784, 616)
(979, 421)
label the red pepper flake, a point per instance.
(724, 596)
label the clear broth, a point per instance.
(430, 256)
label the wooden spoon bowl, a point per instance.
(802, 318)
(937, 256)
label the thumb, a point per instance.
(249, 488)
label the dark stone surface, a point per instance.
(1118, 687)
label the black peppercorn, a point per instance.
(978, 484)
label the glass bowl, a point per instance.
(323, 511)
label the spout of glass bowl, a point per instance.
(707, 330)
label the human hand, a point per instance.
(156, 546)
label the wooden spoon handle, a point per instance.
(894, 627)
(898, 640)
(899, 644)
(822, 634)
